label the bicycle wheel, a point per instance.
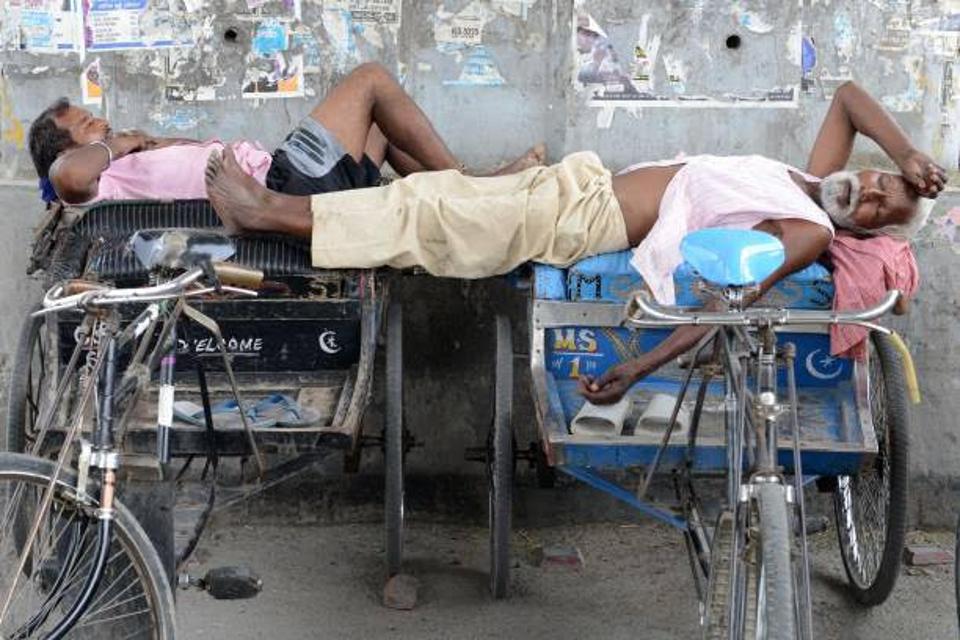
(500, 464)
(31, 373)
(871, 507)
(716, 617)
(956, 570)
(393, 441)
(777, 613)
(132, 600)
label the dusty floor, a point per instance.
(326, 581)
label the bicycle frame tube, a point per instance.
(165, 399)
(103, 443)
(765, 408)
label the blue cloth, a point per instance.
(47, 193)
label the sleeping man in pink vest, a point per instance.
(472, 227)
(364, 121)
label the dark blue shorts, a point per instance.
(311, 160)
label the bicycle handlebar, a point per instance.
(61, 297)
(641, 311)
(238, 275)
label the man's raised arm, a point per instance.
(854, 111)
(76, 173)
(803, 243)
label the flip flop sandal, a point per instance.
(285, 411)
(225, 415)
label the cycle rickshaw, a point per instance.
(153, 302)
(770, 412)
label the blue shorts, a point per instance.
(311, 160)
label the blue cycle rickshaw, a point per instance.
(842, 422)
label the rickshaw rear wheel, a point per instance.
(500, 463)
(29, 379)
(871, 507)
(956, 569)
(393, 440)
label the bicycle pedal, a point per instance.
(225, 583)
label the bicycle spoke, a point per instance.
(104, 592)
(92, 617)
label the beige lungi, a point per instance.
(468, 227)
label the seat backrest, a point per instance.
(732, 257)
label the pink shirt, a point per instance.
(864, 269)
(174, 172)
(736, 192)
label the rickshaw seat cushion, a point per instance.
(609, 277)
(733, 257)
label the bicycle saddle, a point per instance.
(180, 248)
(732, 257)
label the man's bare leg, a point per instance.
(378, 149)
(370, 96)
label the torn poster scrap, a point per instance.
(111, 25)
(647, 57)
(479, 69)
(279, 76)
(41, 26)
(369, 11)
(91, 88)
(273, 70)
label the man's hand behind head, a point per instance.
(926, 176)
(135, 140)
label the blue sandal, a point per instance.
(226, 415)
(284, 411)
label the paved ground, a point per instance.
(326, 581)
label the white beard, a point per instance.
(832, 188)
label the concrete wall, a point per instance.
(688, 76)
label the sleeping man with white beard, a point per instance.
(467, 227)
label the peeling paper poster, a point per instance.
(91, 88)
(479, 69)
(111, 25)
(654, 54)
(369, 11)
(303, 40)
(454, 31)
(280, 76)
(273, 70)
(41, 26)
(270, 38)
(461, 34)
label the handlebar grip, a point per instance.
(73, 287)
(237, 275)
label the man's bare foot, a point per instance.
(534, 157)
(243, 203)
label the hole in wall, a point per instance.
(733, 41)
(231, 34)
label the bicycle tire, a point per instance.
(716, 612)
(500, 461)
(14, 436)
(32, 470)
(893, 456)
(775, 554)
(393, 440)
(956, 571)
